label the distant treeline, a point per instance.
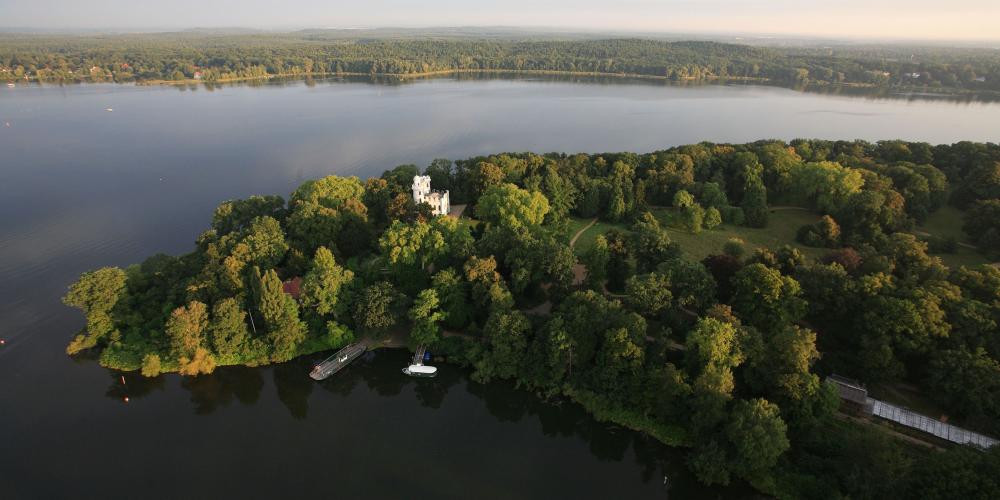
(179, 57)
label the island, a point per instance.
(702, 294)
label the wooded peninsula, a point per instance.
(699, 294)
(220, 57)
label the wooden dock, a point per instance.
(335, 363)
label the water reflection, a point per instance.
(129, 386)
(378, 375)
(861, 92)
(209, 393)
(293, 387)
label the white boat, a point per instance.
(108, 110)
(10, 85)
(420, 371)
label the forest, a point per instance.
(181, 57)
(724, 354)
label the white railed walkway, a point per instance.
(929, 425)
(418, 356)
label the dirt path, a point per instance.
(581, 231)
(789, 208)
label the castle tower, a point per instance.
(421, 188)
(422, 193)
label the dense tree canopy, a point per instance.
(725, 353)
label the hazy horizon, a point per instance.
(961, 20)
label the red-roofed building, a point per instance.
(293, 287)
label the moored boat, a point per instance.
(420, 371)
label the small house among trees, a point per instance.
(853, 396)
(293, 287)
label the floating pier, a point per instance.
(334, 363)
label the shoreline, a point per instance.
(900, 91)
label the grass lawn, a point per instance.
(781, 228)
(586, 241)
(780, 231)
(575, 224)
(947, 222)
(963, 257)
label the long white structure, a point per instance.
(929, 425)
(422, 193)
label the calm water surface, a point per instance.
(81, 187)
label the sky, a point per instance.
(908, 19)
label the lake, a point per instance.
(82, 187)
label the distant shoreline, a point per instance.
(446, 72)
(899, 91)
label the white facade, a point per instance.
(422, 193)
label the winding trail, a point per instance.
(581, 231)
(777, 208)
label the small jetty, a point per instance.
(334, 363)
(417, 368)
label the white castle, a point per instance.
(422, 193)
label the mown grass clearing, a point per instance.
(782, 226)
(781, 231)
(947, 222)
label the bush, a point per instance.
(848, 258)
(712, 218)
(941, 244)
(693, 216)
(735, 247)
(824, 233)
(733, 215)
